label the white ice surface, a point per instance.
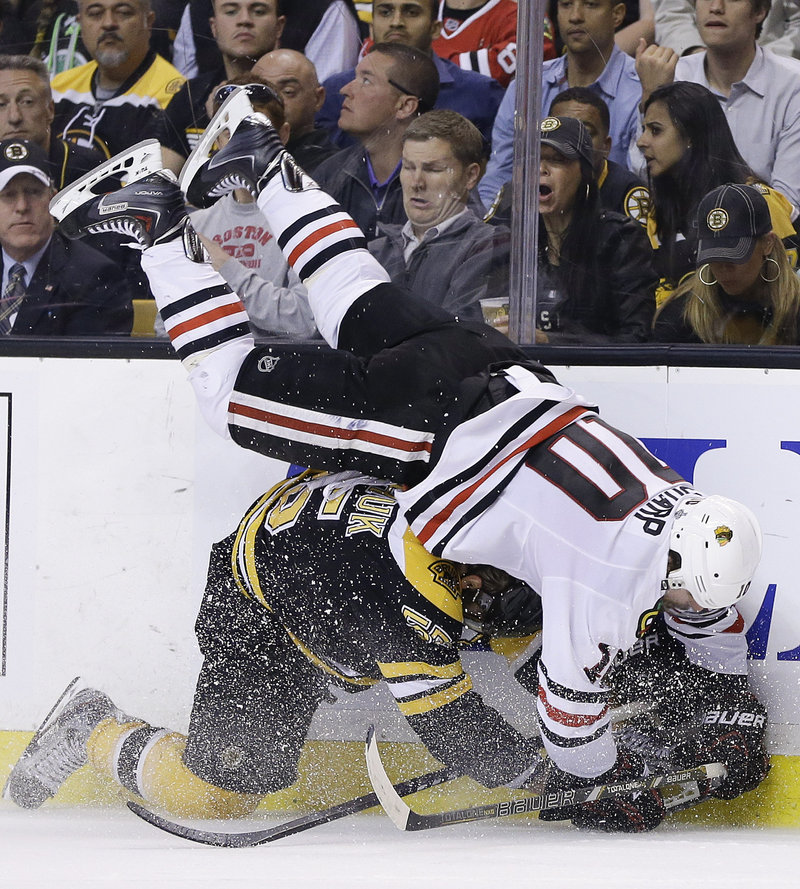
(66, 848)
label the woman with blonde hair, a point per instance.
(744, 289)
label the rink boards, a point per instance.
(113, 490)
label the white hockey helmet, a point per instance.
(718, 541)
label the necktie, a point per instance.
(12, 296)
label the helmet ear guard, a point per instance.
(718, 544)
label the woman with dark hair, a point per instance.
(689, 150)
(596, 280)
(744, 290)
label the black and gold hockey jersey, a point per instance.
(316, 552)
(133, 113)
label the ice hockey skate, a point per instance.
(149, 208)
(249, 160)
(59, 747)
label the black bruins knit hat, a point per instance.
(730, 219)
(569, 137)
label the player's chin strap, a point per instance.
(405, 818)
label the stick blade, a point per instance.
(206, 837)
(391, 801)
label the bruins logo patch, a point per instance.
(173, 86)
(549, 124)
(637, 204)
(445, 576)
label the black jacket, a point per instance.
(345, 177)
(75, 291)
(619, 303)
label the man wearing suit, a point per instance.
(48, 286)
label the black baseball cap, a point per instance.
(22, 156)
(569, 137)
(730, 219)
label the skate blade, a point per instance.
(134, 163)
(231, 113)
(64, 698)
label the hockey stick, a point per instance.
(405, 818)
(306, 822)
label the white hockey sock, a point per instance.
(200, 311)
(325, 247)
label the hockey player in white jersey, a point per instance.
(502, 465)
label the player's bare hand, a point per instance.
(655, 66)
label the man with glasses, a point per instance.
(416, 23)
(391, 87)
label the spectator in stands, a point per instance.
(296, 80)
(676, 27)
(758, 91)
(416, 23)
(116, 99)
(592, 59)
(325, 31)
(393, 84)
(241, 246)
(596, 280)
(26, 112)
(745, 290)
(444, 254)
(689, 150)
(244, 30)
(50, 285)
(620, 190)
(479, 35)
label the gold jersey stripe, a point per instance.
(244, 543)
(434, 701)
(418, 668)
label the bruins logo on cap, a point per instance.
(717, 219)
(550, 123)
(16, 151)
(723, 535)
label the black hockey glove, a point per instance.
(630, 814)
(622, 814)
(734, 735)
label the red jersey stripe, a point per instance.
(206, 318)
(317, 236)
(329, 431)
(444, 514)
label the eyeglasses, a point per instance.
(422, 107)
(256, 92)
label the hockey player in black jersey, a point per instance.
(303, 595)
(500, 464)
